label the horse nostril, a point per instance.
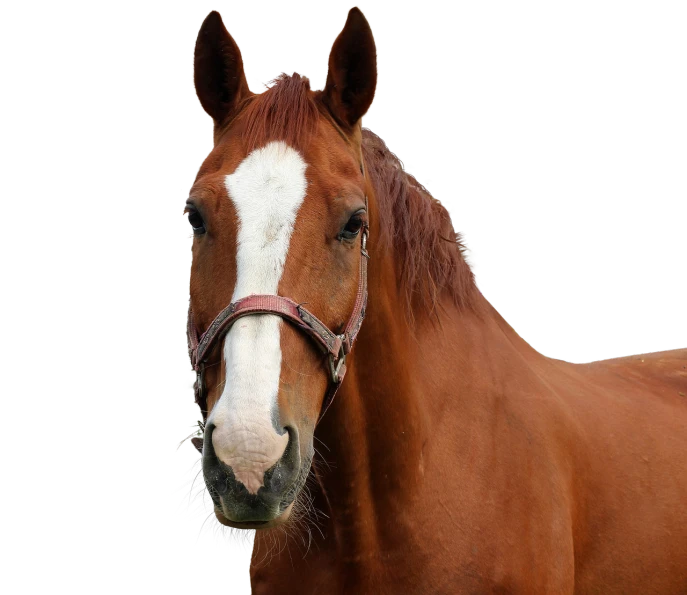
(214, 494)
(206, 448)
(293, 441)
(292, 447)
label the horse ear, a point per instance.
(352, 75)
(218, 69)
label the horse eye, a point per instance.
(352, 228)
(196, 222)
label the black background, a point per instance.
(576, 208)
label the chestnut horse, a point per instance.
(454, 458)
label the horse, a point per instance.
(452, 457)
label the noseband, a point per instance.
(336, 347)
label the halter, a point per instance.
(336, 347)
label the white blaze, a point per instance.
(267, 189)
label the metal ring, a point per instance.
(335, 365)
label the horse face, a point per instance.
(277, 208)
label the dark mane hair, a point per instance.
(286, 111)
(430, 254)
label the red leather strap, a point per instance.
(358, 314)
(265, 304)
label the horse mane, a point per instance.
(430, 254)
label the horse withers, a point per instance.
(453, 457)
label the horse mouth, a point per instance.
(269, 524)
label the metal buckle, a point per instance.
(335, 365)
(200, 382)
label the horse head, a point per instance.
(279, 208)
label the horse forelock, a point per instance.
(286, 111)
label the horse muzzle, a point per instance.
(247, 482)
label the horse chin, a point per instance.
(269, 524)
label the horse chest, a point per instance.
(443, 562)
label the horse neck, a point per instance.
(405, 386)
